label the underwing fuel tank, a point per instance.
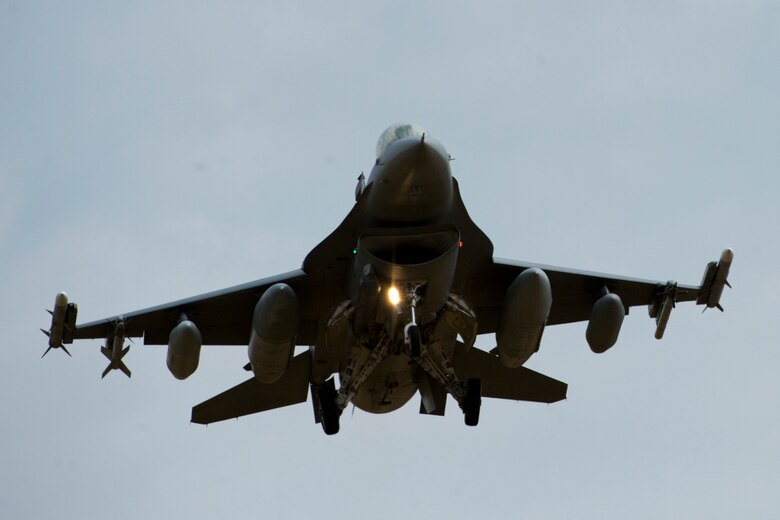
(606, 318)
(184, 349)
(526, 308)
(274, 327)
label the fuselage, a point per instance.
(409, 247)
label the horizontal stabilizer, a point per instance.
(252, 396)
(498, 381)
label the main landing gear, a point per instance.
(436, 364)
(472, 401)
(468, 396)
(330, 401)
(329, 410)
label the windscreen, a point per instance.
(396, 132)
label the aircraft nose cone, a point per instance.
(411, 181)
(421, 157)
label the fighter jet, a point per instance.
(392, 302)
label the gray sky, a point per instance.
(152, 151)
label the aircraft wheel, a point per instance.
(414, 340)
(329, 412)
(472, 401)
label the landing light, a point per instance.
(394, 296)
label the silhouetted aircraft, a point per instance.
(391, 301)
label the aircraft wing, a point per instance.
(223, 317)
(574, 291)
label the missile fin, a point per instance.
(124, 368)
(120, 365)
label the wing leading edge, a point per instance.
(223, 317)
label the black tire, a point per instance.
(329, 412)
(415, 343)
(472, 402)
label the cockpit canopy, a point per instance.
(396, 132)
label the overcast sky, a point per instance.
(151, 151)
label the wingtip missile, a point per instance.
(715, 279)
(63, 321)
(61, 299)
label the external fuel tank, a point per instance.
(526, 308)
(184, 349)
(606, 318)
(274, 327)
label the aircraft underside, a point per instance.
(382, 373)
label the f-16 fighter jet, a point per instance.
(392, 302)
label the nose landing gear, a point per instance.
(412, 330)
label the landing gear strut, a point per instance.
(469, 395)
(413, 338)
(331, 402)
(412, 330)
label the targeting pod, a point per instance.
(367, 301)
(662, 307)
